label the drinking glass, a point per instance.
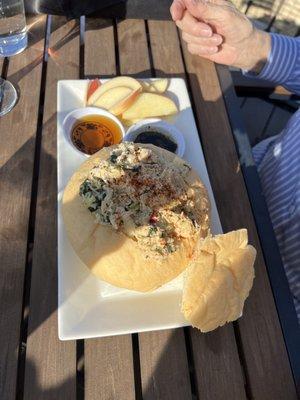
(13, 40)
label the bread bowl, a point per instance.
(113, 250)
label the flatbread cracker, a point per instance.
(218, 280)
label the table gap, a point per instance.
(31, 223)
(152, 69)
(4, 68)
(136, 367)
(191, 362)
(81, 46)
(242, 358)
(4, 72)
(117, 56)
(80, 343)
(80, 369)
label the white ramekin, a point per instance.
(73, 116)
(154, 124)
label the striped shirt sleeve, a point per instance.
(283, 65)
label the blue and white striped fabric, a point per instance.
(278, 162)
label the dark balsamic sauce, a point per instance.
(158, 139)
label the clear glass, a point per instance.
(13, 34)
(13, 40)
(8, 96)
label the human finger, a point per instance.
(214, 40)
(177, 8)
(202, 50)
(193, 26)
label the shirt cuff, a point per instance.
(281, 60)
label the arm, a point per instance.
(216, 30)
(283, 64)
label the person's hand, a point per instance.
(216, 30)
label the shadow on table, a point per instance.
(183, 380)
(54, 391)
(36, 35)
(180, 381)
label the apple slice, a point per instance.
(125, 103)
(117, 99)
(129, 122)
(93, 85)
(150, 105)
(124, 81)
(158, 86)
(112, 97)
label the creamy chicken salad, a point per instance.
(145, 196)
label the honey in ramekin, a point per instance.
(92, 132)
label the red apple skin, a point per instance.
(92, 87)
(124, 104)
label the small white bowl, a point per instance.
(73, 116)
(157, 125)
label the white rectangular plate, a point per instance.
(87, 306)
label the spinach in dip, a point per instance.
(143, 195)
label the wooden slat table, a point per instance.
(244, 360)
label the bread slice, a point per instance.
(150, 105)
(218, 280)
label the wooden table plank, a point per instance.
(133, 49)
(217, 366)
(108, 368)
(108, 362)
(50, 364)
(164, 367)
(263, 346)
(165, 48)
(99, 48)
(215, 354)
(18, 132)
